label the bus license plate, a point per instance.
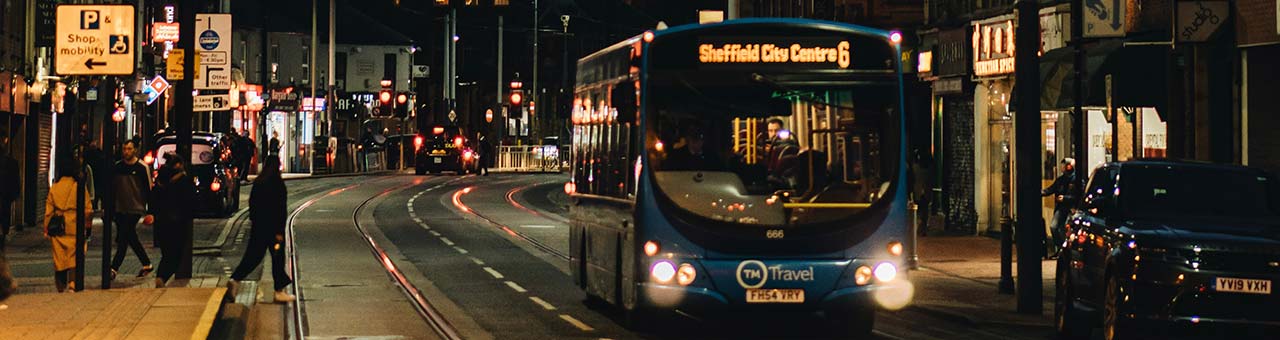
(438, 160)
(1250, 286)
(775, 296)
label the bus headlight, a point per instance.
(862, 276)
(895, 248)
(686, 274)
(886, 272)
(663, 271)
(651, 248)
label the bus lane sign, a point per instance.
(95, 40)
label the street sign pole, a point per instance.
(183, 105)
(1080, 136)
(1027, 149)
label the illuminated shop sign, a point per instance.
(993, 47)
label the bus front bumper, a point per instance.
(706, 302)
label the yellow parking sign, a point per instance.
(173, 64)
(95, 40)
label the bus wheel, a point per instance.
(855, 323)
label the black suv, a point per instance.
(1168, 244)
(446, 148)
(210, 164)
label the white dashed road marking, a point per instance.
(446, 241)
(516, 287)
(542, 303)
(477, 261)
(495, 273)
(576, 323)
(434, 233)
(460, 250)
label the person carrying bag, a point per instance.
(60, 223)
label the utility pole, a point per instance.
(498, 108)
(183, 105)
(1080, 136)
(329, 88)
(1026, 124)
(311, 66)
(533, 97)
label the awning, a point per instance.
(1137, 76)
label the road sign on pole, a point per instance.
(213, 47)
(94, 40)
(1104, 18)
(174, 64)
(211, 102)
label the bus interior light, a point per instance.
(686, 274)
(651, 248)
(862, 276)
(895, 248)
(886, 272)
(663, 271)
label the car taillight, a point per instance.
(466, 155)
(215, 186)
(148, 158)
(457, 141)
(417, 143)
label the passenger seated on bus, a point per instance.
(693, 155)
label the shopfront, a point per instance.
(945, 63)
(294, 128)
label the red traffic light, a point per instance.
(384, 97)
(402, 98)
(516, 97)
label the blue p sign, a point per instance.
(88, 20)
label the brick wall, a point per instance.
(1256, 22)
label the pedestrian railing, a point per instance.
(531, 158)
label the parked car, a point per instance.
(1160, 244)
(445, 149)
(210, 164)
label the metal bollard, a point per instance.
(913, 261)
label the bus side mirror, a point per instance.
(623, 99)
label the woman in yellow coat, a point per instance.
(62, 200)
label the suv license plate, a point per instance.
(1249, 286)
(775, 296)
(438, 160)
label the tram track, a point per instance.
(299, 327)
(457, 202)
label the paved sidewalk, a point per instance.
(31, 260)
(170, 313)
(958, 279)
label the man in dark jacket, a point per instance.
(1064, 191)
(171, 205)
(9, 187)
(132, 190)
(268, 211)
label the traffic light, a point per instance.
(402, 105)
(517, 93)
(385, 106)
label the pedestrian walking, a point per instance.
(132, 190)
(267, 211)
(9, 187)
(1064, 191)
(486, 155)
(60, 221)
(171, 206)
(273, 145)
